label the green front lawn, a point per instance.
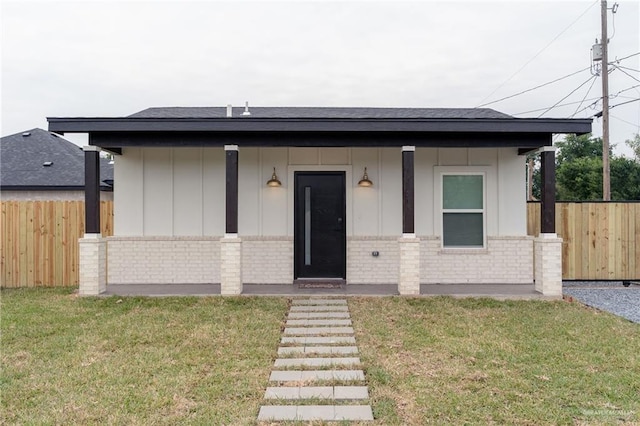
(481, 361)
(135, 361)
(70, 360)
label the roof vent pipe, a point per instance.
(246, 108)
(229, 111)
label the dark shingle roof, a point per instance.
(319, 112)
(23, 155)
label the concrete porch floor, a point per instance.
(496, 291)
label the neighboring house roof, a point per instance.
(40, 160)
(319, 112)
(304, 126)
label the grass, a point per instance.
(134, 361)
(70, 360)
(480, 361)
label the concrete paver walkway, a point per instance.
(316, 373)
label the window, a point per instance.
(463, 210)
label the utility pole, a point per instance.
(606, 185)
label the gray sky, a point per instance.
(113, 58)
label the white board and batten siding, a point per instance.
(180, 191)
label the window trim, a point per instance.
(461, 171)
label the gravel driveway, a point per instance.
(607, 296)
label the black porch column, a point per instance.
(92, 189)
(231, 154)
(548, 190)
(408, 189)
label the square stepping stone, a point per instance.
(299, 392)
(332, 375)
(312, 392)
(346, 374)
(315, 362)
(317, 331)
(282, 393)
(286, 376)
(311, 315)
(314, 322)
(288, 350)
(351, 392)
(316, 412)
(277, 412)
(319, 302)
(352, 412)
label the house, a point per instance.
(276, 195)
(39, 165)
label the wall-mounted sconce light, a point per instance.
(274, 181)
(365, 180)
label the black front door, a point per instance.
(320, 225)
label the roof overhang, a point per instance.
(114, 133)
(105, 188)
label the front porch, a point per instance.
(441, 201)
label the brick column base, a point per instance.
(548, 264)
(93, 265)
(230, 266)
(409, 279)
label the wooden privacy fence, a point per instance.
(40, 241)
(601, 240)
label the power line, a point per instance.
(625, 121)
(538, 54)
(591, 105)
(585, 97)
(590, 99)
(534, 88)
(571, 93)
(627, 68)
(599, 114)
(624, 72)
(553, 81)
(624, 103)
(626, 57)
(561, 105)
